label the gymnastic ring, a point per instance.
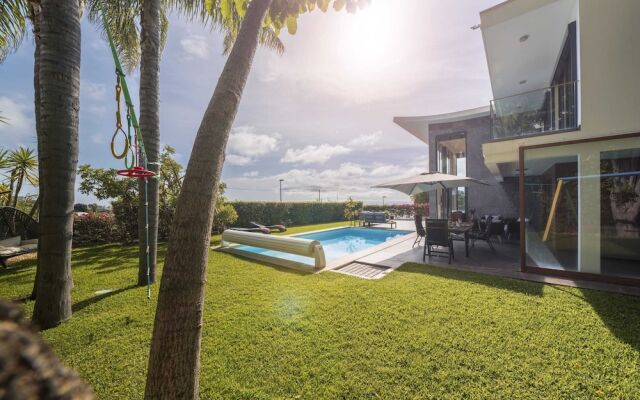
(126, 144)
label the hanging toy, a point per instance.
(133, 153)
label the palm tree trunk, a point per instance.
(19, 181)
(174, 361)
(150, 129)
(59, 83)
(12, 182)
(34, 8)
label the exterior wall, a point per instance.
(500, 198)
(609, 87)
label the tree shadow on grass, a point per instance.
(620, 313)
(92, 300)
(497, 282)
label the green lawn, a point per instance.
(421, 332)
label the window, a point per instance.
(452, 159)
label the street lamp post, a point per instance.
(383, 197)
(281, 180)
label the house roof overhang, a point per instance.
(523, 40)
(419, 126)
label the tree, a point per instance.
(145, 49)
(23, 165)
(13, 24)
(351, 210)
(59, 97)
(175, 346)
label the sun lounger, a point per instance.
(279, 228)
(264, 230)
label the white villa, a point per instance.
(560, 142)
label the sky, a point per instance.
(320, 116)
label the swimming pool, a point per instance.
(336, 243)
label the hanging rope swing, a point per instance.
(133, 153)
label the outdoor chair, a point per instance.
(482, 232)
(18, 234)
(420, 232)
(438, 236)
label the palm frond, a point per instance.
(13, 25)
(269, 38)
(122, 20)
(231, 26)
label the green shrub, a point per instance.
(289, 213)
(225, 215)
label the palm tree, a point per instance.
(23, 165)
(59, 97)
(144, 49)
(13, 25)
(175, 346)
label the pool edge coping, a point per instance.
(330, 266)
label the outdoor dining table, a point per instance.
(462, 229)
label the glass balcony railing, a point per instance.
(545, 110)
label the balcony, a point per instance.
(548, 110)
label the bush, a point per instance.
(94, 228)
(224, 216)
(288, 213)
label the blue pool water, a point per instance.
(336, 243)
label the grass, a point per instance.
(421, 332)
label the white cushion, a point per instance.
(9, 242)
(29, 247)
(7, 251)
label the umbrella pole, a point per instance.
(445, 201)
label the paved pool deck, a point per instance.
(505, 262)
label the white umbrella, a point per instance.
(430, 181)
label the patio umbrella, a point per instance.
(429, 182)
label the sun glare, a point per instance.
(369, 42)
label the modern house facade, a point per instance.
(560, 142)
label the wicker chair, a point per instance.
(14, 222)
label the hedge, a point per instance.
(288, 213)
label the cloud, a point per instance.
(251, 174)
(245, 146)
(235, 159)
(92, 90)
(313, 154)
(196, 45)
(245, 142)
(347, 179)
(366, 140)
(18, 116)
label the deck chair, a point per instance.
(438, 236)
(279, 228)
